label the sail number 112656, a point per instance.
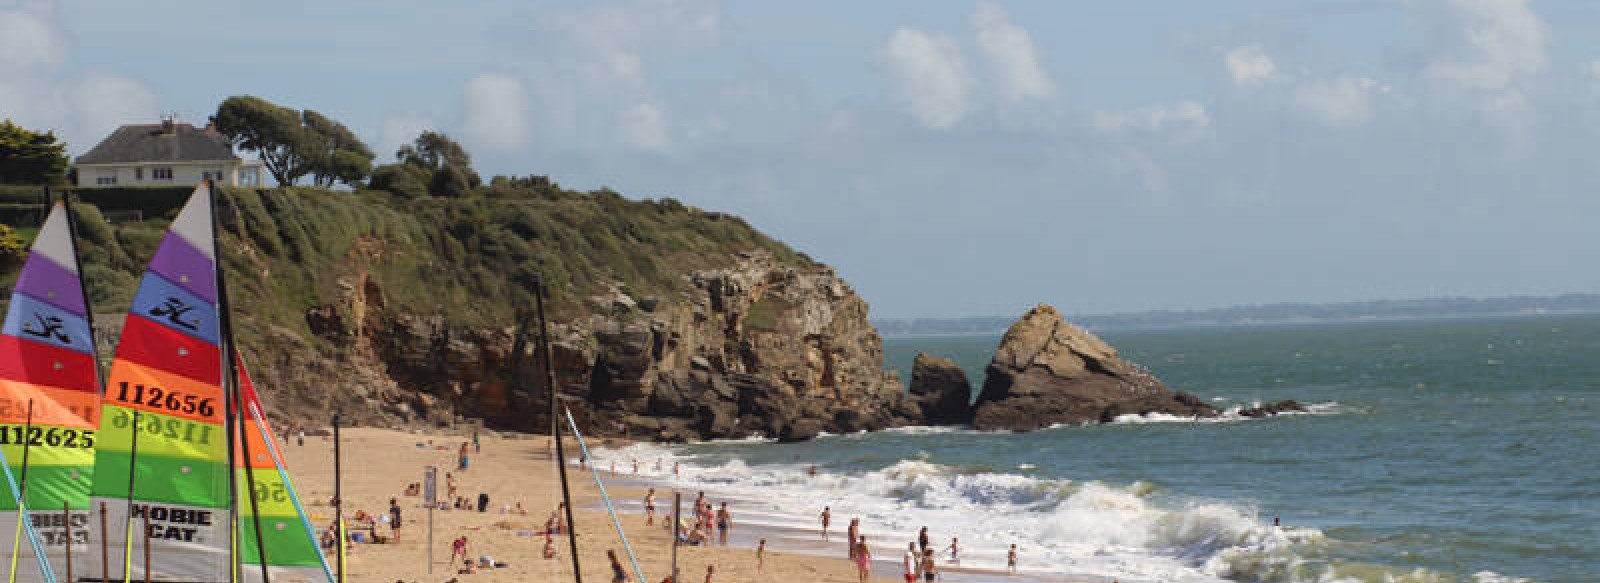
(159, 398)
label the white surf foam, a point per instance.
(1231, 414)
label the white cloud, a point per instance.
(644, 126)
(398, 131)
(82, 107)
(1491, 44)
(618, 37)
(1010, 50)
(927, 74)
(495, 112)
(1184, 118)
(1342, 101)
(30, 38)
(1249, 65)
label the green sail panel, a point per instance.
(49, 402)
(292, 554)
(163, 420)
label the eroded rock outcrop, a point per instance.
(758, 348)
(1047, 371)
(940, 391)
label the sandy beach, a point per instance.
(378, 464)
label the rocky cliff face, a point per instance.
(1047, 371)
(759, 348)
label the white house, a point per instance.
(164, 154)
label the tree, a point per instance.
(333, 152)
(28, 157)
(447, 165)
(404, 180)
(13, 250)
(272, 131)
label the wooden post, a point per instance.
(677, 507)
(338, 500)
(555, 428)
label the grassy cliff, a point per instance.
(470, 261)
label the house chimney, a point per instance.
(167, 125)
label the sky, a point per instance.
(949, 158)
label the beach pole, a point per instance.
(133, 472)
(677, 508)
(555, 425)
(430, 490)
(338, 497)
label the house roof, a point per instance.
(151, 143)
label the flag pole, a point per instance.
(338, 498)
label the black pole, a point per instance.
(338, 501)
(133, 471)
(27, 442)
(235, 408)
(555, 426)
(677, 508)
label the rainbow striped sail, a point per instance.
(292, 553)
(166, 381)
(47, 359)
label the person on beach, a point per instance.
(700, 503)
(908, 563)
(650, 507)
(955, 550)
(618, 574)
(520, 510)
(463, 458)
(863, 558)
(449, 486)
(549, 546)
(458, 547)
(922, 539)
(674, 470)
(711, 570)
(724, 522)
(761, 555)
(302, 437)
(851, 533)
(394, 518)
(477, 442)
(483, 502)
(1011, 559)
(635, 466)
(827, 516)
(930, 567)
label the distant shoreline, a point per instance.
(1267, 315)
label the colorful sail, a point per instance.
(166, 381)
(47, 358)
(292, 552)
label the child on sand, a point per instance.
(650, 507)
(863, 558)
(761, 554)
(458, 547)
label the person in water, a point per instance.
(851, 533)
(724, 522)
(908, 563)
(955, 550)
(827, 517)
(761, 555)
(650, 507)
(1011, 559)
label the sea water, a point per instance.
(1434, 451)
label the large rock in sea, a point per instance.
(940, 391)
(1047, 371)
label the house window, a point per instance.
(161, 173)
(138, 174)
(106, 179)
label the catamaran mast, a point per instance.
(555, 425)
(235, 417)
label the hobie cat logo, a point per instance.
(173, 310)
(47, 327)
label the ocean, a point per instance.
(1435, 451)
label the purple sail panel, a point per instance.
(182, 264)
(53, 284)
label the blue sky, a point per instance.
(951, 158)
